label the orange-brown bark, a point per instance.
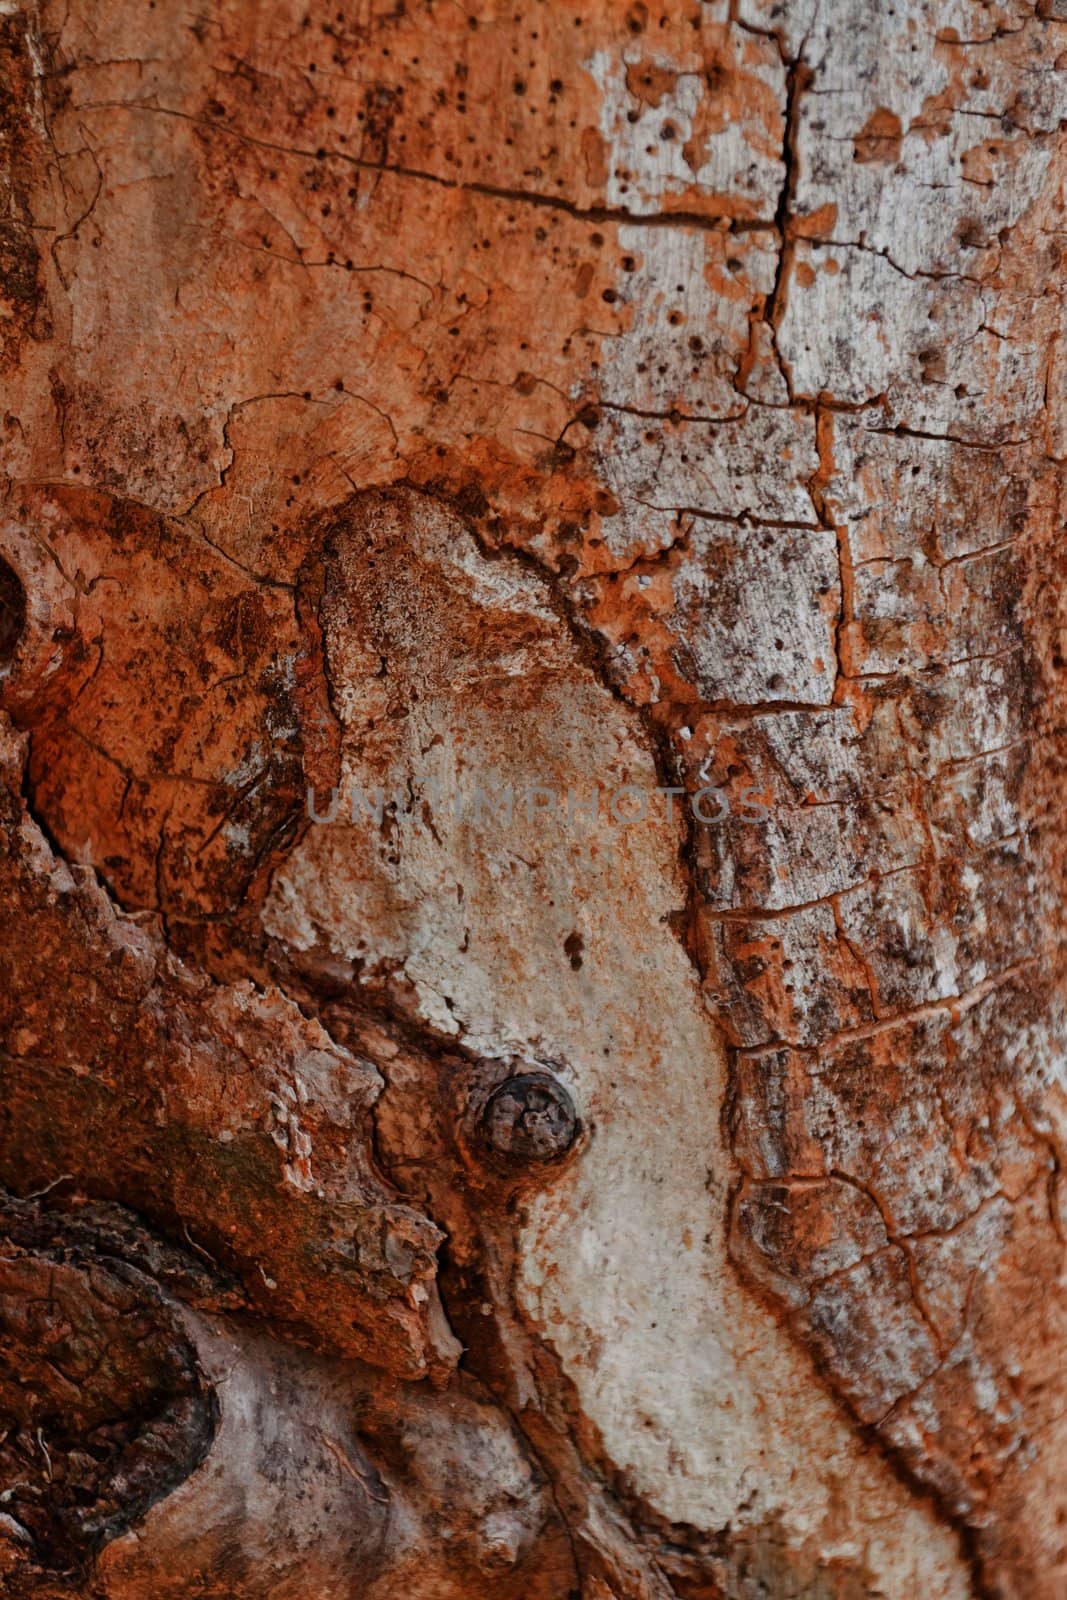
(612, 397)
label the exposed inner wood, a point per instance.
(531, 810)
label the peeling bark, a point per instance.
(531, 737)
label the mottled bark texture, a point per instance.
(438, 1202)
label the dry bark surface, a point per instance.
(413, 1192)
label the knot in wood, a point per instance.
(529, 1118)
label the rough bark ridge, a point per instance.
(433, 1200)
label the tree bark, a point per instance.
(531, 733)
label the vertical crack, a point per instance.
(798, 78)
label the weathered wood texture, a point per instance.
(447, 397)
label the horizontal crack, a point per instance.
(715, 221)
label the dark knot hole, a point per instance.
(12, 613)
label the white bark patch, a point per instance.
(622, 1259)
(857, 922)
(756, 611)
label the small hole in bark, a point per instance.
(12, 613)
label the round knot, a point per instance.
(529, 1118)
